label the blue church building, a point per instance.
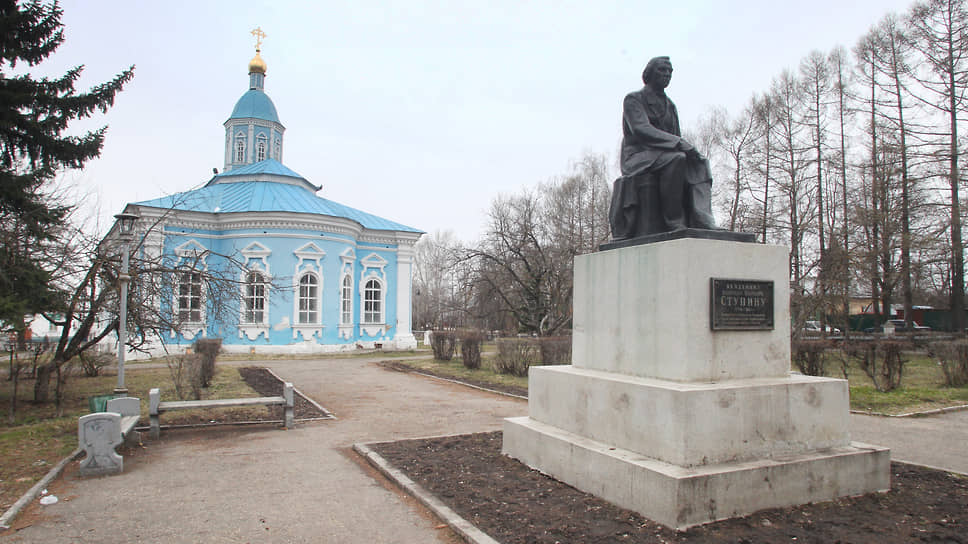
(313, 275)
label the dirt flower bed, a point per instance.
(267, 385)
(514, 504)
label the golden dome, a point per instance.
(257, 65)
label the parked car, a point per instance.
(899, 327)
(813, 327)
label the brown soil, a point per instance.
(404, 367)
(515, 504)
(268, 385)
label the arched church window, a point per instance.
(373, 302)
(254, 299)
(239, 150)
(308, 299)
(189, 300)
(260, 149)
(346, 301)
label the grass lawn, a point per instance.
(921, 388)
(39, 439)
(456, 369)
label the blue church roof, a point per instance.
(256, 104)
(268, 166)
(265, 196)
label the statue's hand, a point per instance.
(690, 151)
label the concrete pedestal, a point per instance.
(686, 425)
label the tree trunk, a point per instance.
(42, 382)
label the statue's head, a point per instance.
(653, 66)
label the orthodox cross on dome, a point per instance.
(259, 35)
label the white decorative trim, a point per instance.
(192, 250)
(347, 262)
(255, 121)
(374, 261)
(373, 267)
(318, 223)
(252, 332)
(257, 251)
(373, 330)
(310, 251)
(308, 331)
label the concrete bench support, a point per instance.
(100, 433)
(156, 407)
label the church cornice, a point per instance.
(202, 221)
(235, 121)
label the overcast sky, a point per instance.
(419, 112)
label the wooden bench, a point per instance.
(156, 407)
(100, 433)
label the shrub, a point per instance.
(515, 355)
(92, 363)
(470, 348)
(810, 356)
(953, 358)
(185, 372)
(555, 350)
(443, 344)
(207, 349)
(881, 360)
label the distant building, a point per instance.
(345, 275)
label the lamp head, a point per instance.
(126, 224)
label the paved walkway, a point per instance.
(936, 441)
(268, 485)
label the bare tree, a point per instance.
(732, 139)
(90, 272)
(523, 266)
(939, 33)
(435, 280)
(841, 269)
(816, 83)
(791, 156)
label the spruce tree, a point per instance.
(34, 116)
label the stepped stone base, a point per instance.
(681, 497)
(685, 422)
(692, 424)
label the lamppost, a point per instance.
(125, 233)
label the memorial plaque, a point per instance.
(740, 305)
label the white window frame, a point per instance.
(369, 315)
(346, 301)
(190, 256)
(309, 260)
(195, 294)
(347, 267)
(255, 299)
(260, 148)
(373, 267)
(239, 150)
(307, 299)
(256, 259)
